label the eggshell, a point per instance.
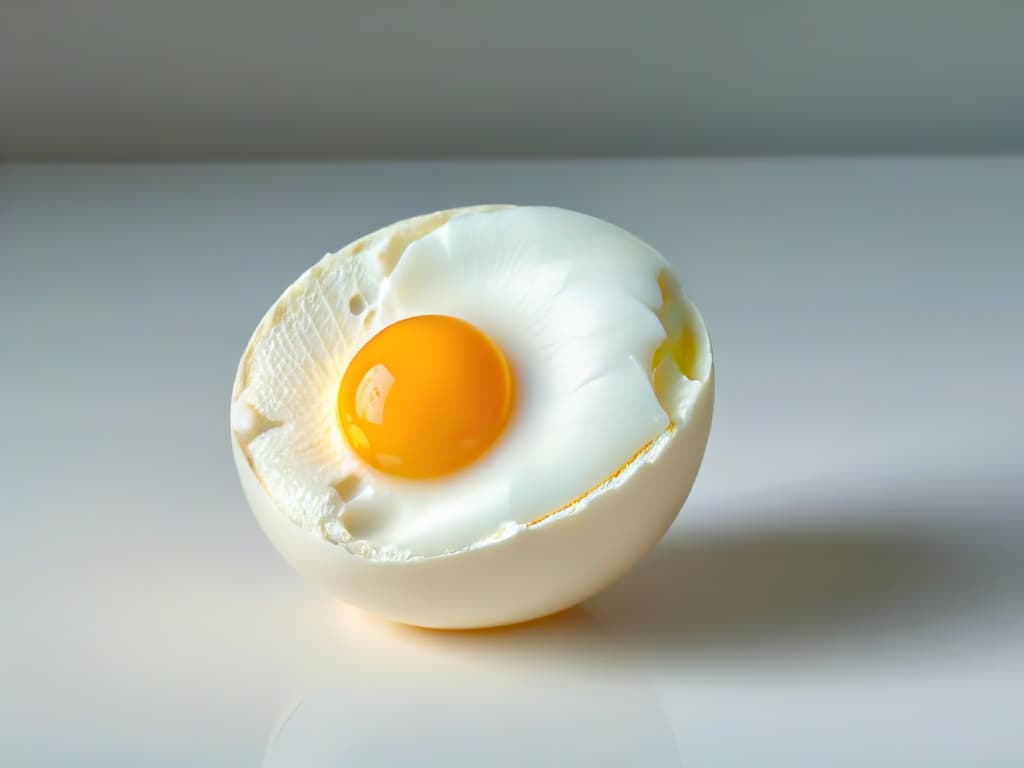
(539, 569)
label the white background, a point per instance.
(843, 587)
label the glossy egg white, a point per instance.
(594, 497)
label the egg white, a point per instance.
(579, 307)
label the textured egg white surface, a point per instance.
(579, 307)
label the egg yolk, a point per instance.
(424, 397)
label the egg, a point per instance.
(474, 417)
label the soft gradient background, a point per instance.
(843, 587)
(202, 79)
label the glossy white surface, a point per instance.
(844, 587)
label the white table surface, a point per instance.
(844, 587)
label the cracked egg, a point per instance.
(474, 417)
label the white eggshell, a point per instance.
(540, 569)
(523, 571)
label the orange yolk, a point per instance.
(425, 397)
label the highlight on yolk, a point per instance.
(425, 397)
